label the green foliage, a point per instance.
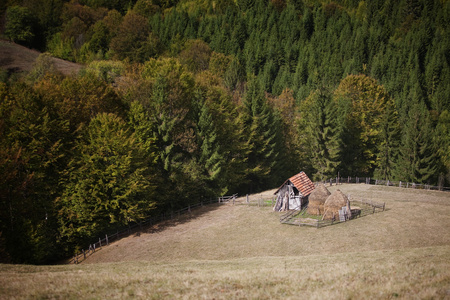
(41, 67)
(221, 97)
(108, 181)
(366, 104)
(388, 144)
(417, 157)
(19, 25)
(106, 70)
(32, 151)
(133, 39)
(261, 132)
(77, 100)
(210, 157)
(321, 123)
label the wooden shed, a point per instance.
(293, 193)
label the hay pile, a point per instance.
(334, 203)
(317, 200)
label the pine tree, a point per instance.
(108, 182)
(210, 157)
(389, 143)
(323, 134)
(417, 153)
(261, 128)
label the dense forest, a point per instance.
(185, 100)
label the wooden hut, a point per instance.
(316, 200)
(293, 193)
(337, 206)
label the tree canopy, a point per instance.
(180, 101)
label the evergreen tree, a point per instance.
(210, 157)
(389, 143)
(323, 134)
(108, 182)
(417, 152)
(261, 130)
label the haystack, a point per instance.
(317, 200)
(334, 203)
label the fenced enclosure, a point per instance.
(293, 217)
(302, 218)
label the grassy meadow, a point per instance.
(243, 252)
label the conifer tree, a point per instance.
(210, 157)
(417, 152)
(261, 128)
(323, 134)
(388, 144)
(108, 182)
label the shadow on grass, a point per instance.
(180, 219)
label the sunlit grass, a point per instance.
(242, 252)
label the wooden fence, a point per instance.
(224, 199)
(138, 227)
(369, 180)
(302, 218)
(291, 217)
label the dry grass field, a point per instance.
(16, 58)
(243, 252)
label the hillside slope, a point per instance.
(413, 219)
(17, 58)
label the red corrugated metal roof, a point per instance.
(302, 183)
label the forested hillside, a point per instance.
(183, 100)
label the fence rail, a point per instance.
(369, 180)
(292, 217)
(228, 198)
(302, 218)
(137, 228)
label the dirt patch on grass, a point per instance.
(16, 58)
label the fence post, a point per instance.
(400, 184)
(357, 179)
(331, 182)
(387, 183)
(189, 208)
(100, 241)
(247, 198)
(107, 243)
(407, 185)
